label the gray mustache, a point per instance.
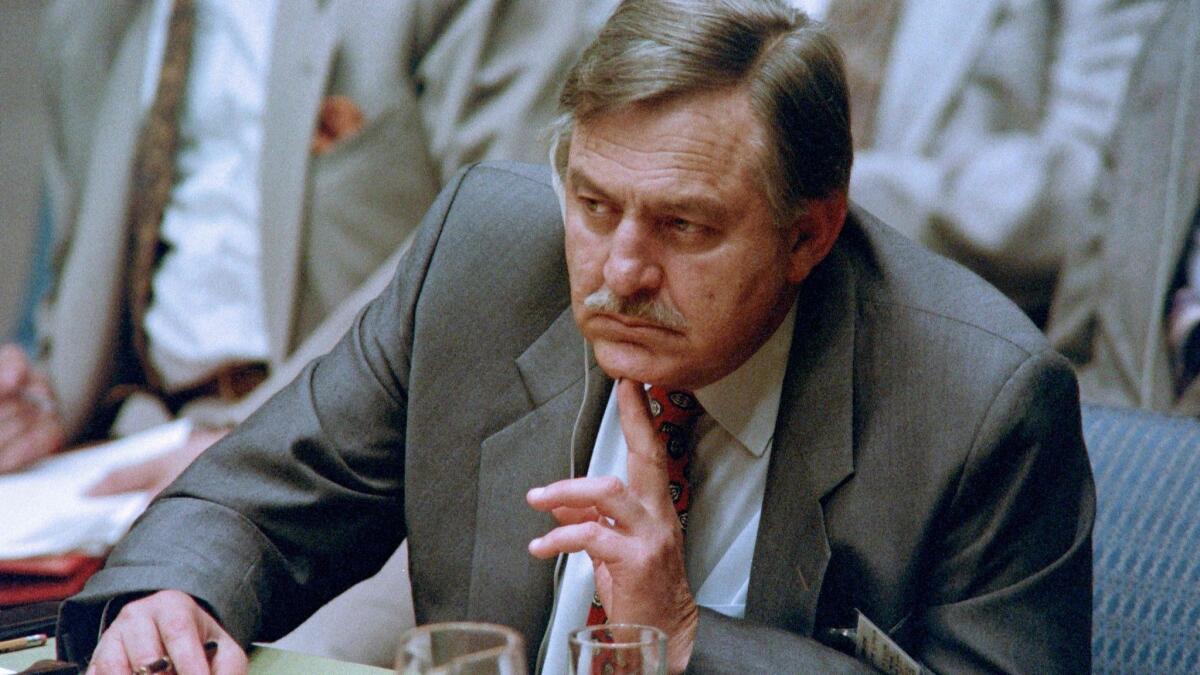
(642, 308)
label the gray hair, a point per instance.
(791, 69)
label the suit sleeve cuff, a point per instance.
(159, 555)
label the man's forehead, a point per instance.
(720, 120)
(709, 135)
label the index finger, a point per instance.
(646, 462)
(606, 494)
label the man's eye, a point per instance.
(681, 225)
(593, 206)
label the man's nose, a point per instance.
(632, 266)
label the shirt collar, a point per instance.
(746, 402)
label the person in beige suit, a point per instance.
(365, 109)
(991, 117)
(1121, 308)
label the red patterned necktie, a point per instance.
(674, 415)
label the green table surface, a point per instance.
(263, 661)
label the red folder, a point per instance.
(50, 578)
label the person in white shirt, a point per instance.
(311, 140)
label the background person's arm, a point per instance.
(1003, 182)
(490, 77)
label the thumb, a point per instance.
(646, 461)
(14, 369)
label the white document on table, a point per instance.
(44, 511)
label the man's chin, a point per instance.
(623, 360)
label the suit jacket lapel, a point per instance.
(531, 451)
(304, 43)
(934, 47)
(89, 290)
(811, 455)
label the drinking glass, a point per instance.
(618, 649)
(461, 648)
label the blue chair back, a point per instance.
(1146, 602)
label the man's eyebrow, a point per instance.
(700, 205)
(579, 179)
(703, 206)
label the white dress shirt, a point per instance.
(728, 474)
(207, 304)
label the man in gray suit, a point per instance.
(880, 429)
(1137, 268)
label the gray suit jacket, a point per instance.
(990, 127)
(441, 83)
(928, 466)
(1110, 308)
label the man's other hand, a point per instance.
(630, 532)
(157, 473)
(30, 426)
(171, 624)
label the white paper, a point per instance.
(875, 647)
(43, 510)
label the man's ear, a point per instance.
(813, 234)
